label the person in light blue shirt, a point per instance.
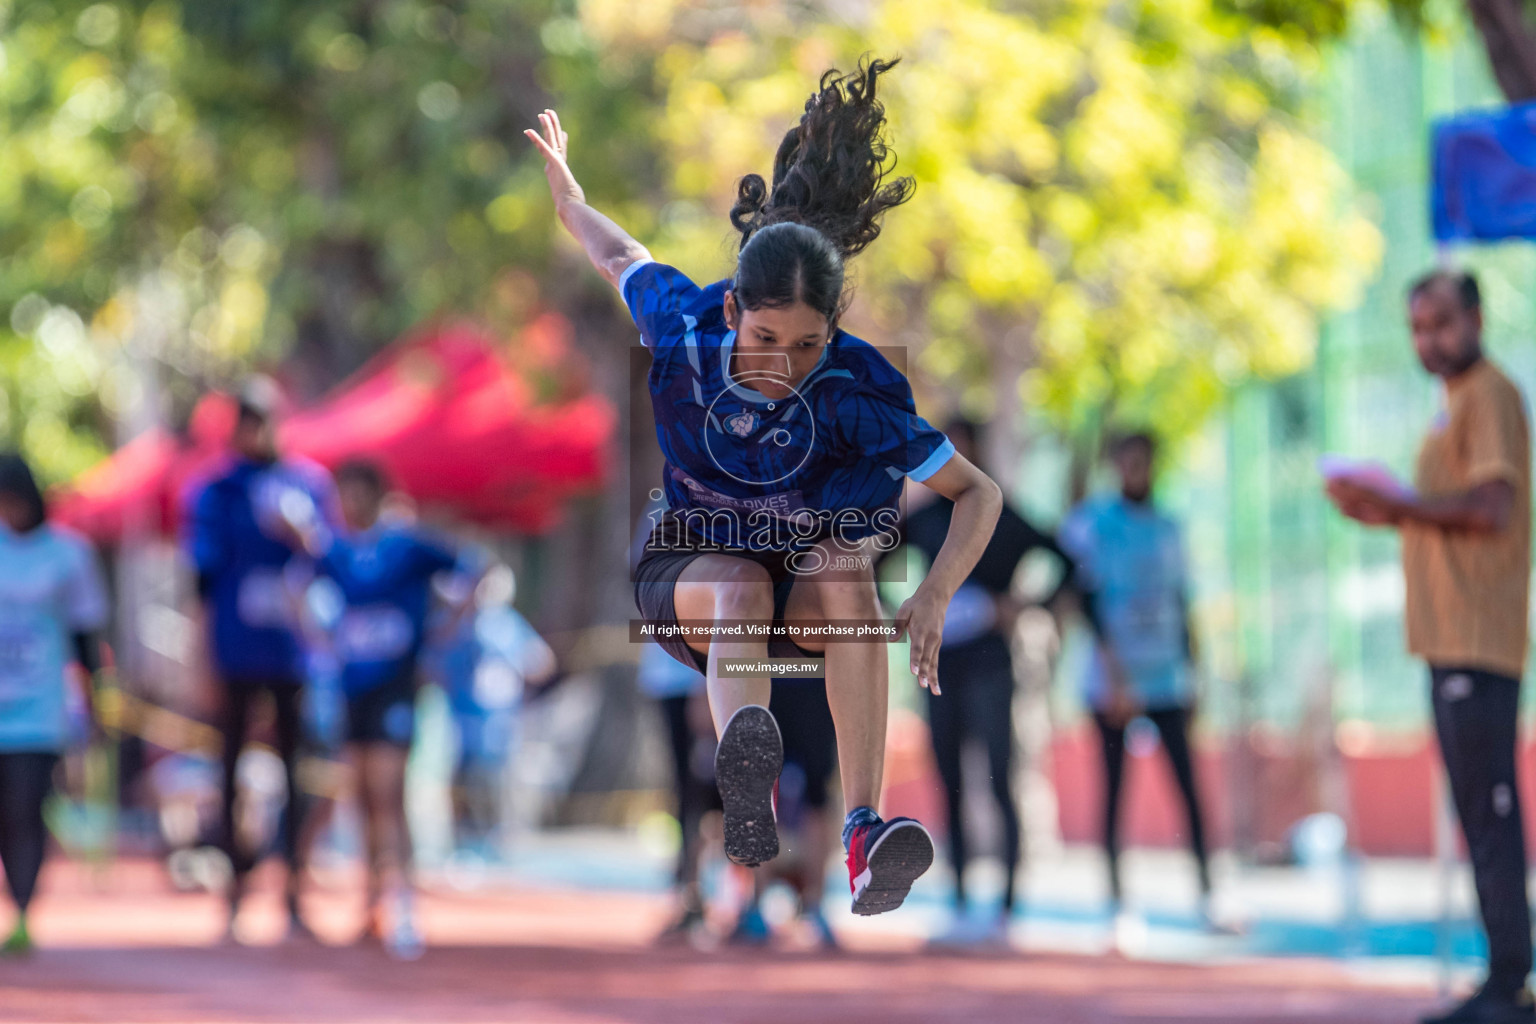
(1133, 578)
(52, 601)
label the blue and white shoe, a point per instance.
(821, 931)
(884, 859)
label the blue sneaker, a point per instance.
(820, 929)
(751, 929)
(884, 859)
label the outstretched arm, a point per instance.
(607, 245)
(978, 501)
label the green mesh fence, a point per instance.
(1290, 597)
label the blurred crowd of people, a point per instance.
(325, 605)
(325, 601)
(1123, 560)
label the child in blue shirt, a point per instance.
(383, 572)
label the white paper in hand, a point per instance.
(1373, 476)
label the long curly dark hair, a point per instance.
(829, 191)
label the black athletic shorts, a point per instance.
(667, 553)
(810, 743)
(387, 713)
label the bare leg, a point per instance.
(390, 761)
(382, 785)
(359, 755)
(858, 690)
(720, 588)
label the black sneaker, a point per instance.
(682, 927)
(1487, 1008)
(747, 764)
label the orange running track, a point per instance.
(120, 945)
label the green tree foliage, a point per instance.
(1507, 28)
(1120, 211)
(207, 185)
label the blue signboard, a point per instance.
(1484, 181)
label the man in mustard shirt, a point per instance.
(1466, 531)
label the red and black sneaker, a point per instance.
(748, 760)
(884, 859)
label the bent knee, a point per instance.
(743, 590)
(848, 598)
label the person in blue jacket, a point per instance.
(383, 570)
(250, 582)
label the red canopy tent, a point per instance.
(453, 423)
(137, 489)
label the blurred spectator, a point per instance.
(248, 579)
(383, 571)
(678, 690)
(1134, 583)
(52, 601)
(484, 656)
(1467, 564)
(803, 808)
(976, 674)
(679, 694)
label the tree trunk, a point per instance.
(589, 584)
(1005, 441)
(1511, 44)
(1085, 453)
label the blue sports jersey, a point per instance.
(385, 578)
(833, 453)
(235, 539)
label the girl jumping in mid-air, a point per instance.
(786, 443)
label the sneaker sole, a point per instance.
(747, 763)
(899, 858)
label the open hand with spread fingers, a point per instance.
(554, 143)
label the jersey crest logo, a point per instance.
(741, 424)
